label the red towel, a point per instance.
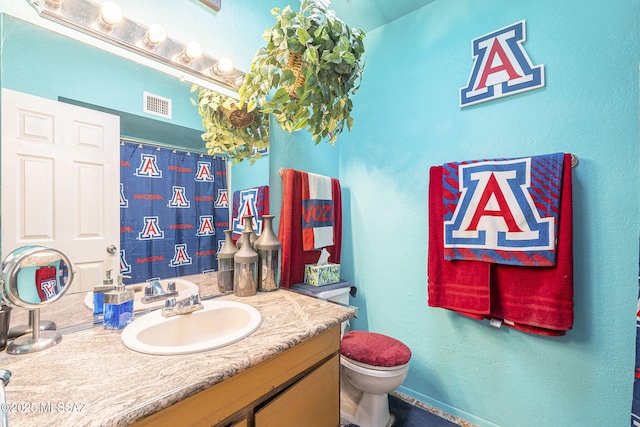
(532, 299)
(290, 231)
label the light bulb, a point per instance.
(110, 15)
(54, 4)
(155, 35)
(193, 51)
(225, 65)
(221, 67)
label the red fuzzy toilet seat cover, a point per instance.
(374, 349)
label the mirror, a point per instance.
(32, 277)
(73, 70)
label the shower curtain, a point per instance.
(173, 210)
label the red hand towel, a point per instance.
(290, 231)
(532, 299)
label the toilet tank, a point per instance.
(341, 296)
(337, 292)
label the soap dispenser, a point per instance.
(99, 291)
(118, 306)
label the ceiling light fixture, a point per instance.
(108, 23)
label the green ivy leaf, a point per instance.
(303, 36)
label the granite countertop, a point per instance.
(91, 379)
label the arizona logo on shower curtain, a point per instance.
(174, 208)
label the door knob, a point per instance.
(112, 249)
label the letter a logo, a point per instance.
(148, 167)
(222, 201)
(206, 227)
(180, 256)
(125, 267)
(124, 203)
(179, 199)
(204, 172)
(501, 67)
(496, 210)
(151, 229)
(247, 207)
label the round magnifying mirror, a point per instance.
(33, 276)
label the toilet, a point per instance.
(371, 366)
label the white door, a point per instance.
(60, 183)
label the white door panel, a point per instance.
(60, 182)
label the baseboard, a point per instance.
(440, 409)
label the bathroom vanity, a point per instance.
(285, 372)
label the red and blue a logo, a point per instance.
(125, 267)
(180, 256)
(222, 201)
(151, 230)
(206, 227)
(148, 167)
(179, 198)
(501, 66)
(503, 211)
(49, 288)
(203, 173)
(247, 206)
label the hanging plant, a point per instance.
(311, 65)
(231, 131)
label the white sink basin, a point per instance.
(185, 289)
(218, 324)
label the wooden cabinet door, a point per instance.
(241, 423)
(314, 401)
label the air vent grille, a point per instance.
(157, 105)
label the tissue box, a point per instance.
(319, 275)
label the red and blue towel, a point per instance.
(290, 231)
(318, 214)
(503, 211)
(251, 201)
(535, 298)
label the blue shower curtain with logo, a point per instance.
(173, 210)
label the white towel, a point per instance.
(317, 211)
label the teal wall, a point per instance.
(407, 118)
(42, 63)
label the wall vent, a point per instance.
(157, 105)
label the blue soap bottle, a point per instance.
(99, 291)
(118, 306)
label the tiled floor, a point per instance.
(405, 414)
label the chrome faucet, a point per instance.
(173, 308)
(154, 292)
(5, 376)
